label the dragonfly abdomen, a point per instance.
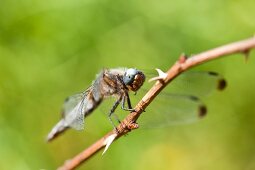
(93, 100)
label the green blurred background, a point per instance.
(51, 49)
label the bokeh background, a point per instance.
(54, 48)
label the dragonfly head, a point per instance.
(133, 79)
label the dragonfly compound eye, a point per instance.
(133, 79)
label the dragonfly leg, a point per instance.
(128, 102)
(112, 112)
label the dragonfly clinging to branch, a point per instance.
(168, 108)
(109, 82)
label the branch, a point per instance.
(183, 64)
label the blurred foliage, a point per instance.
(52, 49)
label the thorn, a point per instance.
(161, 75)
(108, 141)
(183, 57)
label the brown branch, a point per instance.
(180, 66)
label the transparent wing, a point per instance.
(197, 83)
(71, 102)
(172, 109)
(74, 110)
(180, 103)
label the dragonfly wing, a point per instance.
(171, 109)
(198, 83)
(179, 105)
(74, 110)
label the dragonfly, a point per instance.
(109, 82)
(180, 106)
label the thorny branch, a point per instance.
(183, 64)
